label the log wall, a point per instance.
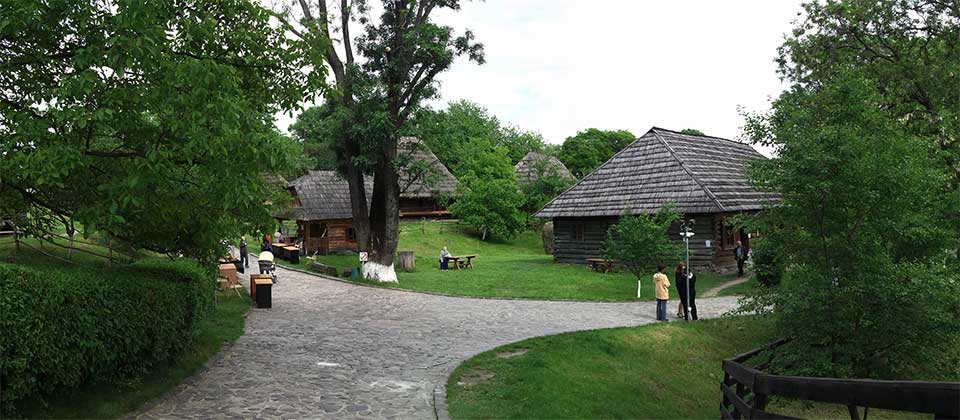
(336, 238)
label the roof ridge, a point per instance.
(702, 135)
(689, 172)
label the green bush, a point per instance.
(67, 328)
(768, 262)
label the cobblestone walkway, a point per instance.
(333, 350)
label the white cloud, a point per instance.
(559, 66)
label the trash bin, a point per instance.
(264, 294)
(253, 285)
(355, 273)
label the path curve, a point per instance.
(329, 349)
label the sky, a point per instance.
(561, 66)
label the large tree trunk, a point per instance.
(384, 218)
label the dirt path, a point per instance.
(713, 292)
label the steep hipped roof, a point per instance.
(526, 168)
(436, 180)
(700, 174)
(324, 195)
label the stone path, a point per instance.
(334, 350)
(713, 292)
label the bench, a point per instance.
(462, 261)
(601, 265)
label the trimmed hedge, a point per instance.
(67, 328)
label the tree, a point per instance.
(862, 234)
(318, 139)
(447, 131)
(403, 52)
(151, 121)
(546, 184)
(588, 149)
(640, 243)
(692, 132)
(487, 194)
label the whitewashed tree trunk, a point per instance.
(638, 289)
(383, 273)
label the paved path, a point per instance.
(333, 350)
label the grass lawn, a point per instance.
(225, 324)
(516, 268)
(669, 370)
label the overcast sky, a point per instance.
(560, 66)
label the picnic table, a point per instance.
(601, 265)
(462, 261)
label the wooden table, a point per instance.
(601, 265)
(461, 261)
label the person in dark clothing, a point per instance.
(693, 298)
(740, 252)
(678, 277)
(243, 253)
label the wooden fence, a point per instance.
(105, 252)
(747, 390)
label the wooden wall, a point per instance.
(420, 207)
(336, 238)
(568, 249)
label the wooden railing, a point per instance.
(747, 391)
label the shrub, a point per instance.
(67, 328)
(768, 264)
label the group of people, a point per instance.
(661, 286)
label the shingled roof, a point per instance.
(526, 168)
(700, 174)
(324, 195)
(437, 180)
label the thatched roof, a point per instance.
(526, 168)
(435, 181)
(324, 195)
(700, 174)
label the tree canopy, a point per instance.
(151, 121)
(589, 148)
(640, 243)
(865, 138)
(487, 195)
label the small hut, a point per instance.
(702, 175)
(321, 207)
(425, 183)
(536, 164)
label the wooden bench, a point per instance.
(461, 261)
(601, 265)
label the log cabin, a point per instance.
(425, 183)
(703, 176)
(536, 164)
(321, 207)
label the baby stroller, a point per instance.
(267, 266)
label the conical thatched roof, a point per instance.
(435, 181)
(527, 168)
(700, 174)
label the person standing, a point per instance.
(661, 287)
(277, 237)
(741, 254)
(679, 277)
(243, 252)
(692, 289)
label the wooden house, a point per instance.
(702, 175)
(321, 207)
(425, 183)
(536, 164)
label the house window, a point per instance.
(578, 231)
(318, 230)
(351, 234)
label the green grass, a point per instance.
(225, 324)
(516, 268)
(668, 370)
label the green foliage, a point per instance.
(148, 120)
(863, 232)
(640, 242)
(768, 261)
(692, 132)
(588, 149)
(79, 327)
(317, 138)
(449, 133)
(546, 184)
(487, 195)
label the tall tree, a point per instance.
(313, 130)
(151, 121)
(588, 149)
(488, 197)
(403, 51)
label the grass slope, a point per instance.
(225, 324)
(516, 268)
